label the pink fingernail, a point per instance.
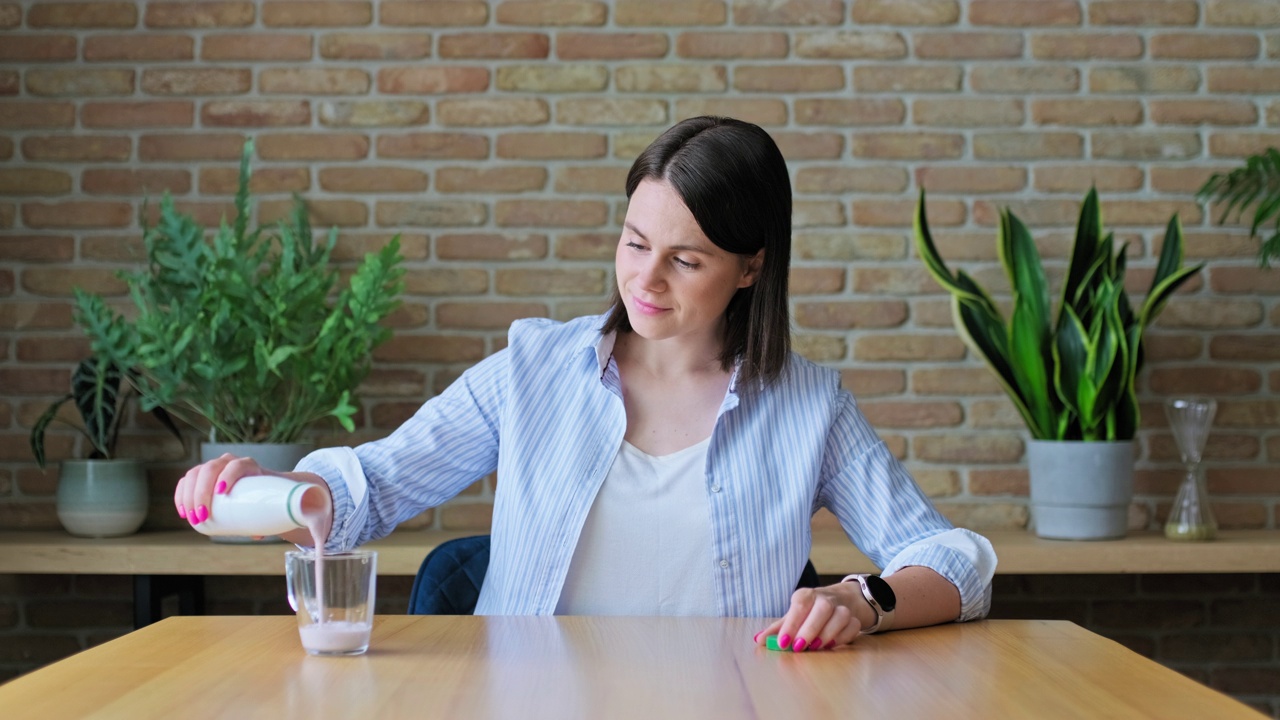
(784, 641)
(799, 646)
(755, 638)
(202, 513)
(182, 512)
(831, 644)
(221, 487)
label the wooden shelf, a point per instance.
(183, 552)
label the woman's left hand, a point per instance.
(819, 618)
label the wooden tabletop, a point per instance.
(584, 667)
(183, 552)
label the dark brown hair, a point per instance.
(734, 181)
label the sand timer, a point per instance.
(1191, 517)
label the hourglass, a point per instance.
(1191, 517)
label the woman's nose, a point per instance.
(651, 273)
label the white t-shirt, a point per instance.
(645, 548)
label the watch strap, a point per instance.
(884, 618)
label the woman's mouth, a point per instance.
(645, 308)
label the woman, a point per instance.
(665, 458)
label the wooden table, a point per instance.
(582, 667)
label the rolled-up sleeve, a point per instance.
(890, 519)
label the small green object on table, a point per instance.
(771, 642)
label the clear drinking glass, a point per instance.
(334, 596)
(1191, 517)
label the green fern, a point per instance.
(1256, 185)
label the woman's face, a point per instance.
(673, 280)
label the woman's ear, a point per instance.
(751, 269)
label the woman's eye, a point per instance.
(686, 264)
(635, 246)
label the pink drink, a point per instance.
(338, 636)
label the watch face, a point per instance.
(881, 591)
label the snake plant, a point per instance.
(1071, 378)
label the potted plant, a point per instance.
(1256, 185)
(1070, 377)
(103, 495)
(247, 335)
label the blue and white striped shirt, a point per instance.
(547, 414)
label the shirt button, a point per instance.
(724, 563)
(715, 488)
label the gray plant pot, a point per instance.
(1080, 490)
(273, 456)
(102, 498)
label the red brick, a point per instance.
(999, 482)
(967, 46)
(541, 282)
(848, 315)
(255, 113)
(10, 82)
(967, 448)
(1027, 145)
(669, 12)
(850, 112)
(434, 146)
(35, 316)
(908, 145)
(446, 281)
(840, 179)
(1244, 480)
(208, 214)
(10, 15)
(971, 178)
(160, 113)
(418, 80)
(323, 213)
(552, 12)
(263, 180)
(1024, 79)
(79, 81)
(107, 181)
(314, 81)
(873, 382)
(900, 213)
(819, 348)
(63, 148)
(316, 13)
(60, 281)
(897, 78)
(605, 179)
(967, 112)
(374, 46)
(139, 47)
(187, 14)
(83, 15)
(788, 12)
(761, 112)
(431, 214)
(38, 248)
(891, 414)
(677, 78)
(372, 179)
(496, 112)
(506, 179)
(1144, 13)
(373, 113)
(328, 146)
(586, 246)
(499, 46)
(1203, 112)
(610, 46)
(190, 147)
(38, 48)
(550, 213)
(1078, 113)
(53, 348)
(448, 13)
(913, 347)
(809, 146)
(1086, 46)
(1145, 80)
(1025, 13)
(734, 45)
(1204, 46)
(37, 114)
(1244, 79)
(1077, 179)
(491, 247)
(1241, 144)
(261, 46)
(487, 315)
(790, 78)
(204, 81)
(77, 214)
(905, 12)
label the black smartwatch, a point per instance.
(880, 597)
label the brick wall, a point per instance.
(494, 136)
(1220, 630)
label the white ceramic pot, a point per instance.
(1080, 490)
(102, 498)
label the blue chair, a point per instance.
(449, 579)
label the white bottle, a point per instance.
(265, 505)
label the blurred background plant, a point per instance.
(1256, 186)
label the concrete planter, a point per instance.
(1080, 490)
(102, 498)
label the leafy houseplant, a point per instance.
(1256, 184)
(1070, 377)
(102, 496)
(245, 333)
